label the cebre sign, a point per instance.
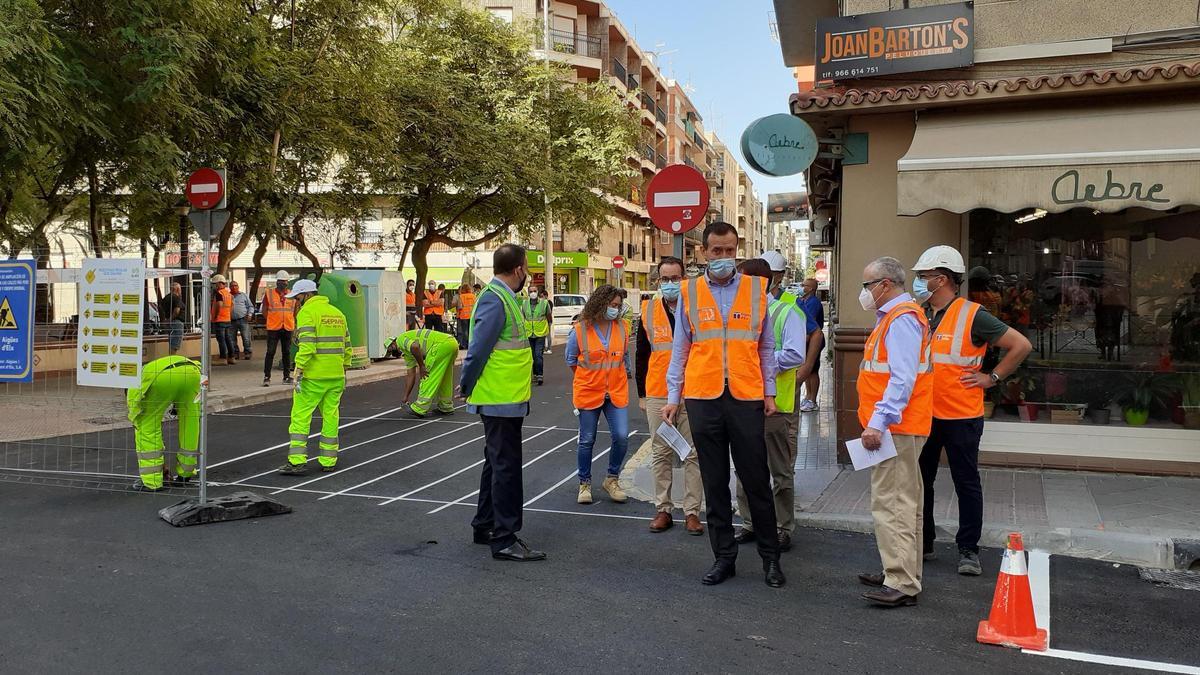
(904, 41)
(779, 145)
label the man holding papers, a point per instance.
(895, 393)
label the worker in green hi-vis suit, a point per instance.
(430, 356)
(171, 380)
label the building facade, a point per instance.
(1065, 165)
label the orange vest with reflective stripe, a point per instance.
(433, 308)
(600, 371)
(873, 376)
(222, 315)
(468, 303)
(410, 301)
(954, 354)
(658, 331)
(280, 311)
(724, 351)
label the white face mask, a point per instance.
(867, 300)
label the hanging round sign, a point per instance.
(779, 145)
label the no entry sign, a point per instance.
(677, 198)
(205, 188)
(618, 262)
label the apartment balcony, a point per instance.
(578, 44)
(713, 176)
(661, 116)
(649, 157)
(648, 107)
(660, 161)
(632, 82)
(619, 74)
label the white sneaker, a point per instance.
(808, 406)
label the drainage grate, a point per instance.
(1188, 581)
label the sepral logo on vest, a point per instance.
(903, 41)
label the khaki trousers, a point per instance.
(663, 458)
(782, 435)
(896, 506)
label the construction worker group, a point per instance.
(721, 357)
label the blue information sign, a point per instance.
(17, 278)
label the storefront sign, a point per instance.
(16, 320)
(904, 41)
(111, 299)
(1069, 188)
(574, 260)
(779, 145)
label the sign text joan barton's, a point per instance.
(904, 41)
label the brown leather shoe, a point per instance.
(693, 526)
(869, 579)
(662, 522)
(890, 597)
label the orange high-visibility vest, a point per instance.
(222, 315)
(658, 331)
(724, 351)
(873, 375)
(434, 297)
(954, 354)
(280, 310)
(410, 301)
(468, 304)
(600, 371)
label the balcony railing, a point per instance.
(647, 102)
(690, 163)
(632, 81)
(575, 43)
(648, 152)
(618, 71)
(661, 116)
(660, 161)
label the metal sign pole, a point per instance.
(205, 359)
(677, 247)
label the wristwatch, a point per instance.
(995, 378)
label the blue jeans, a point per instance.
(241, 327)
(537, 345)
(174, 335)
(618, 428)
(222, 331)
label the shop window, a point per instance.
(1111, 303)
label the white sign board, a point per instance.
(111, 302)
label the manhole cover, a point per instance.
(100, 421)
(1188, 581)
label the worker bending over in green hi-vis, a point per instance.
(321, 361)
(430, 357)
(166, 381)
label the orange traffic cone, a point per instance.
(1011, 622)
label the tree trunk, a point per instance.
(94, 210)
(420, 249)
(43, 298)
(185, 281)
(260, 251)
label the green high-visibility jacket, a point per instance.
(324, 341)
(785, 380)
(538, 315)
(506, 375)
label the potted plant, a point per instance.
(1017, 387)
(1141, 392)
(1189, 385)
(1098, 411)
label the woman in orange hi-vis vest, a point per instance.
(464, 304)
(598, 353)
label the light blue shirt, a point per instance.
(489, 323)
(723, 293)
(792, 352)
(903, 342)
(604, 330)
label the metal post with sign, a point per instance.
(206, 191)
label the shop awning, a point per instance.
(1103, 158)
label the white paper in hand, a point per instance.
(673, 438)
(863, 458)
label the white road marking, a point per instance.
(1116, 661)
(1039, 586)
(404, 468)
(573, 474)
(372, 460)
(523, 466)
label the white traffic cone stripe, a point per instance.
(1014, 563)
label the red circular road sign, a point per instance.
(205, 189)
(677, 198)
(821, 275)
(618, 262)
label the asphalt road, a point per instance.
(375, 571)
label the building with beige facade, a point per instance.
(1065, 164)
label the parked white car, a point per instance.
(567, 306)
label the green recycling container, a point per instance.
(347, 295)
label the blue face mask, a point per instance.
(921, 289)
(612, 313)
(721, 268)
(669, 290)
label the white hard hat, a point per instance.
(218, 279)
(775, 260)
(282, 275)
(303, 286)
(940, 256)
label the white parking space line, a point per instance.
(1116, 661)
(1039, 586)
(326, 492)
(573, 474)
(523, 466)
(456, 473)
(372, 460)
(340, 450)
(403, 468)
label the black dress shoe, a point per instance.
(518, 552)
(745, 536)
(721, 570)
(785, 541)
(773, 574)
(870, 579)
(482, 536)
(890, 597)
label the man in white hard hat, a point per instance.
(962, 332)
(280, 313)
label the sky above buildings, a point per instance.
(724, 50)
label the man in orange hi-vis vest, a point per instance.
(962, 332)
(280, 314)
(723, 367)
(895, 403)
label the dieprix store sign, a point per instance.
(537, 260)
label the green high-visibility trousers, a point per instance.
(437, 387)
(308, 396)
(165, 381)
